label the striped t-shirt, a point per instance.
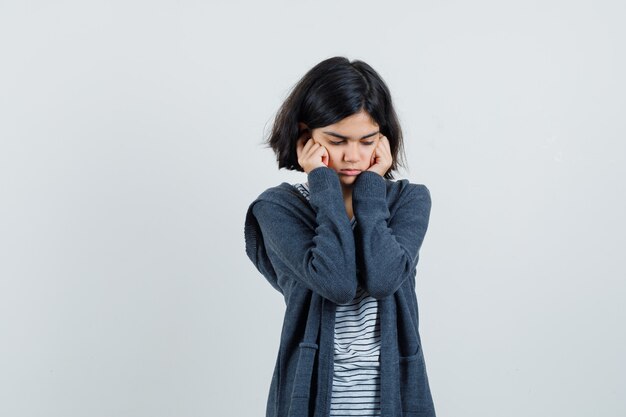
(356, 379)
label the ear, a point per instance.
(302, 128)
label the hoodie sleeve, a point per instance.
(323, 257)
(388, 249)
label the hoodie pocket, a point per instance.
(414, 388)
(300, 397)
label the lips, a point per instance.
(350, 171)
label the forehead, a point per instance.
(354, 125)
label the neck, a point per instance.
(347, 200)
(347, 192)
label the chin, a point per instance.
(348, 179)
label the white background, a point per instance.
(131, 145)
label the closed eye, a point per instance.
(342, 141)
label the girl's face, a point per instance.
(350, 143)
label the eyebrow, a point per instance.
(337, 135)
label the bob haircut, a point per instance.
(331, 91)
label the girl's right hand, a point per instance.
(311, 154)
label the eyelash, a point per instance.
(364, 143)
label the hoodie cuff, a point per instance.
(369, 185)
(323, 178)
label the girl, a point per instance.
(343, 249)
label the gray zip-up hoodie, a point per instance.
(308, 251)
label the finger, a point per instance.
(387, 144)
(300, 145)
(384, 145)
(319, 150)
(320, 153)
(313, 151)
(309, 144)
(380, 149)
(304, 140)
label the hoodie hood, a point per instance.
(286, 196)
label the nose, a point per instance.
(351, 153)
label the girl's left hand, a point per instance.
(381, 158)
